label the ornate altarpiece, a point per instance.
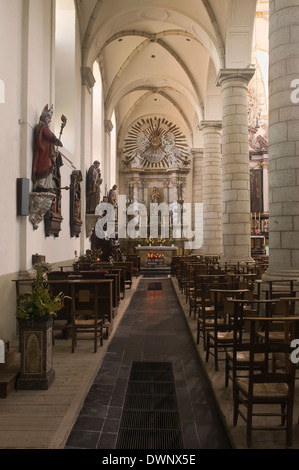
(156, 158)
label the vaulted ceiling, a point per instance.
(161, 58)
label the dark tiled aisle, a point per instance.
(153, 329)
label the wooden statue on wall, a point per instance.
(45, 198)
(93, 190)
(75, 203)
(45, 153)
(53, 217)
(47, 161)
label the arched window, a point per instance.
(97, 118)
(113, 169)
(65, 72)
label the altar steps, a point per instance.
(149, 271)
(9, 371)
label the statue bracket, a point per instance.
(90, 223)
(39, 204)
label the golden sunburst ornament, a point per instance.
(156, 143)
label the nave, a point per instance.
(152, 330)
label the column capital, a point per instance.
(108, 126)
(265, 165)
(210, 124)
(244, 75)
(88, 79)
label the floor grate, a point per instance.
(143, 439)
(150, 376)
(150, 418)
(151, 402)
(151, 366)
(152, 388)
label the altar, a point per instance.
(156, 254)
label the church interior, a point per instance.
(151, 206)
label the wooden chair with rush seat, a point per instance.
(206, 311)
(267, 394)
(86, 321)
(220, 337)
(237, 359)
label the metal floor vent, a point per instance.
(150, 417)
(154, 286)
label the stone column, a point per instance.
(174, 188)
(136, 180)
(108, 126)
(265, 186)
(235, 166)
(212, 188)
(197, 185)
(88, 82)
(283, 140)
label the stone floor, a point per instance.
(152, 329)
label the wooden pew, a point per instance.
(119, 268)
(105, 292)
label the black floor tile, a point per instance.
(114, 412)
(83, 439)
(84, 423)
(99, 411)
(111, 425)
(107, 441)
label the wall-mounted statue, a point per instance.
(112, 199)
(45, 153)
(75, 203)
(93, 183)
(53, 216)
(46, 177)
(155, 197)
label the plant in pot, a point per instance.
(35, 312)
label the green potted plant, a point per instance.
(39, 303)
(35, 312)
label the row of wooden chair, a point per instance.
(252, 322)
(260, 388)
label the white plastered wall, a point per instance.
(9, 154)
(28, 76)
